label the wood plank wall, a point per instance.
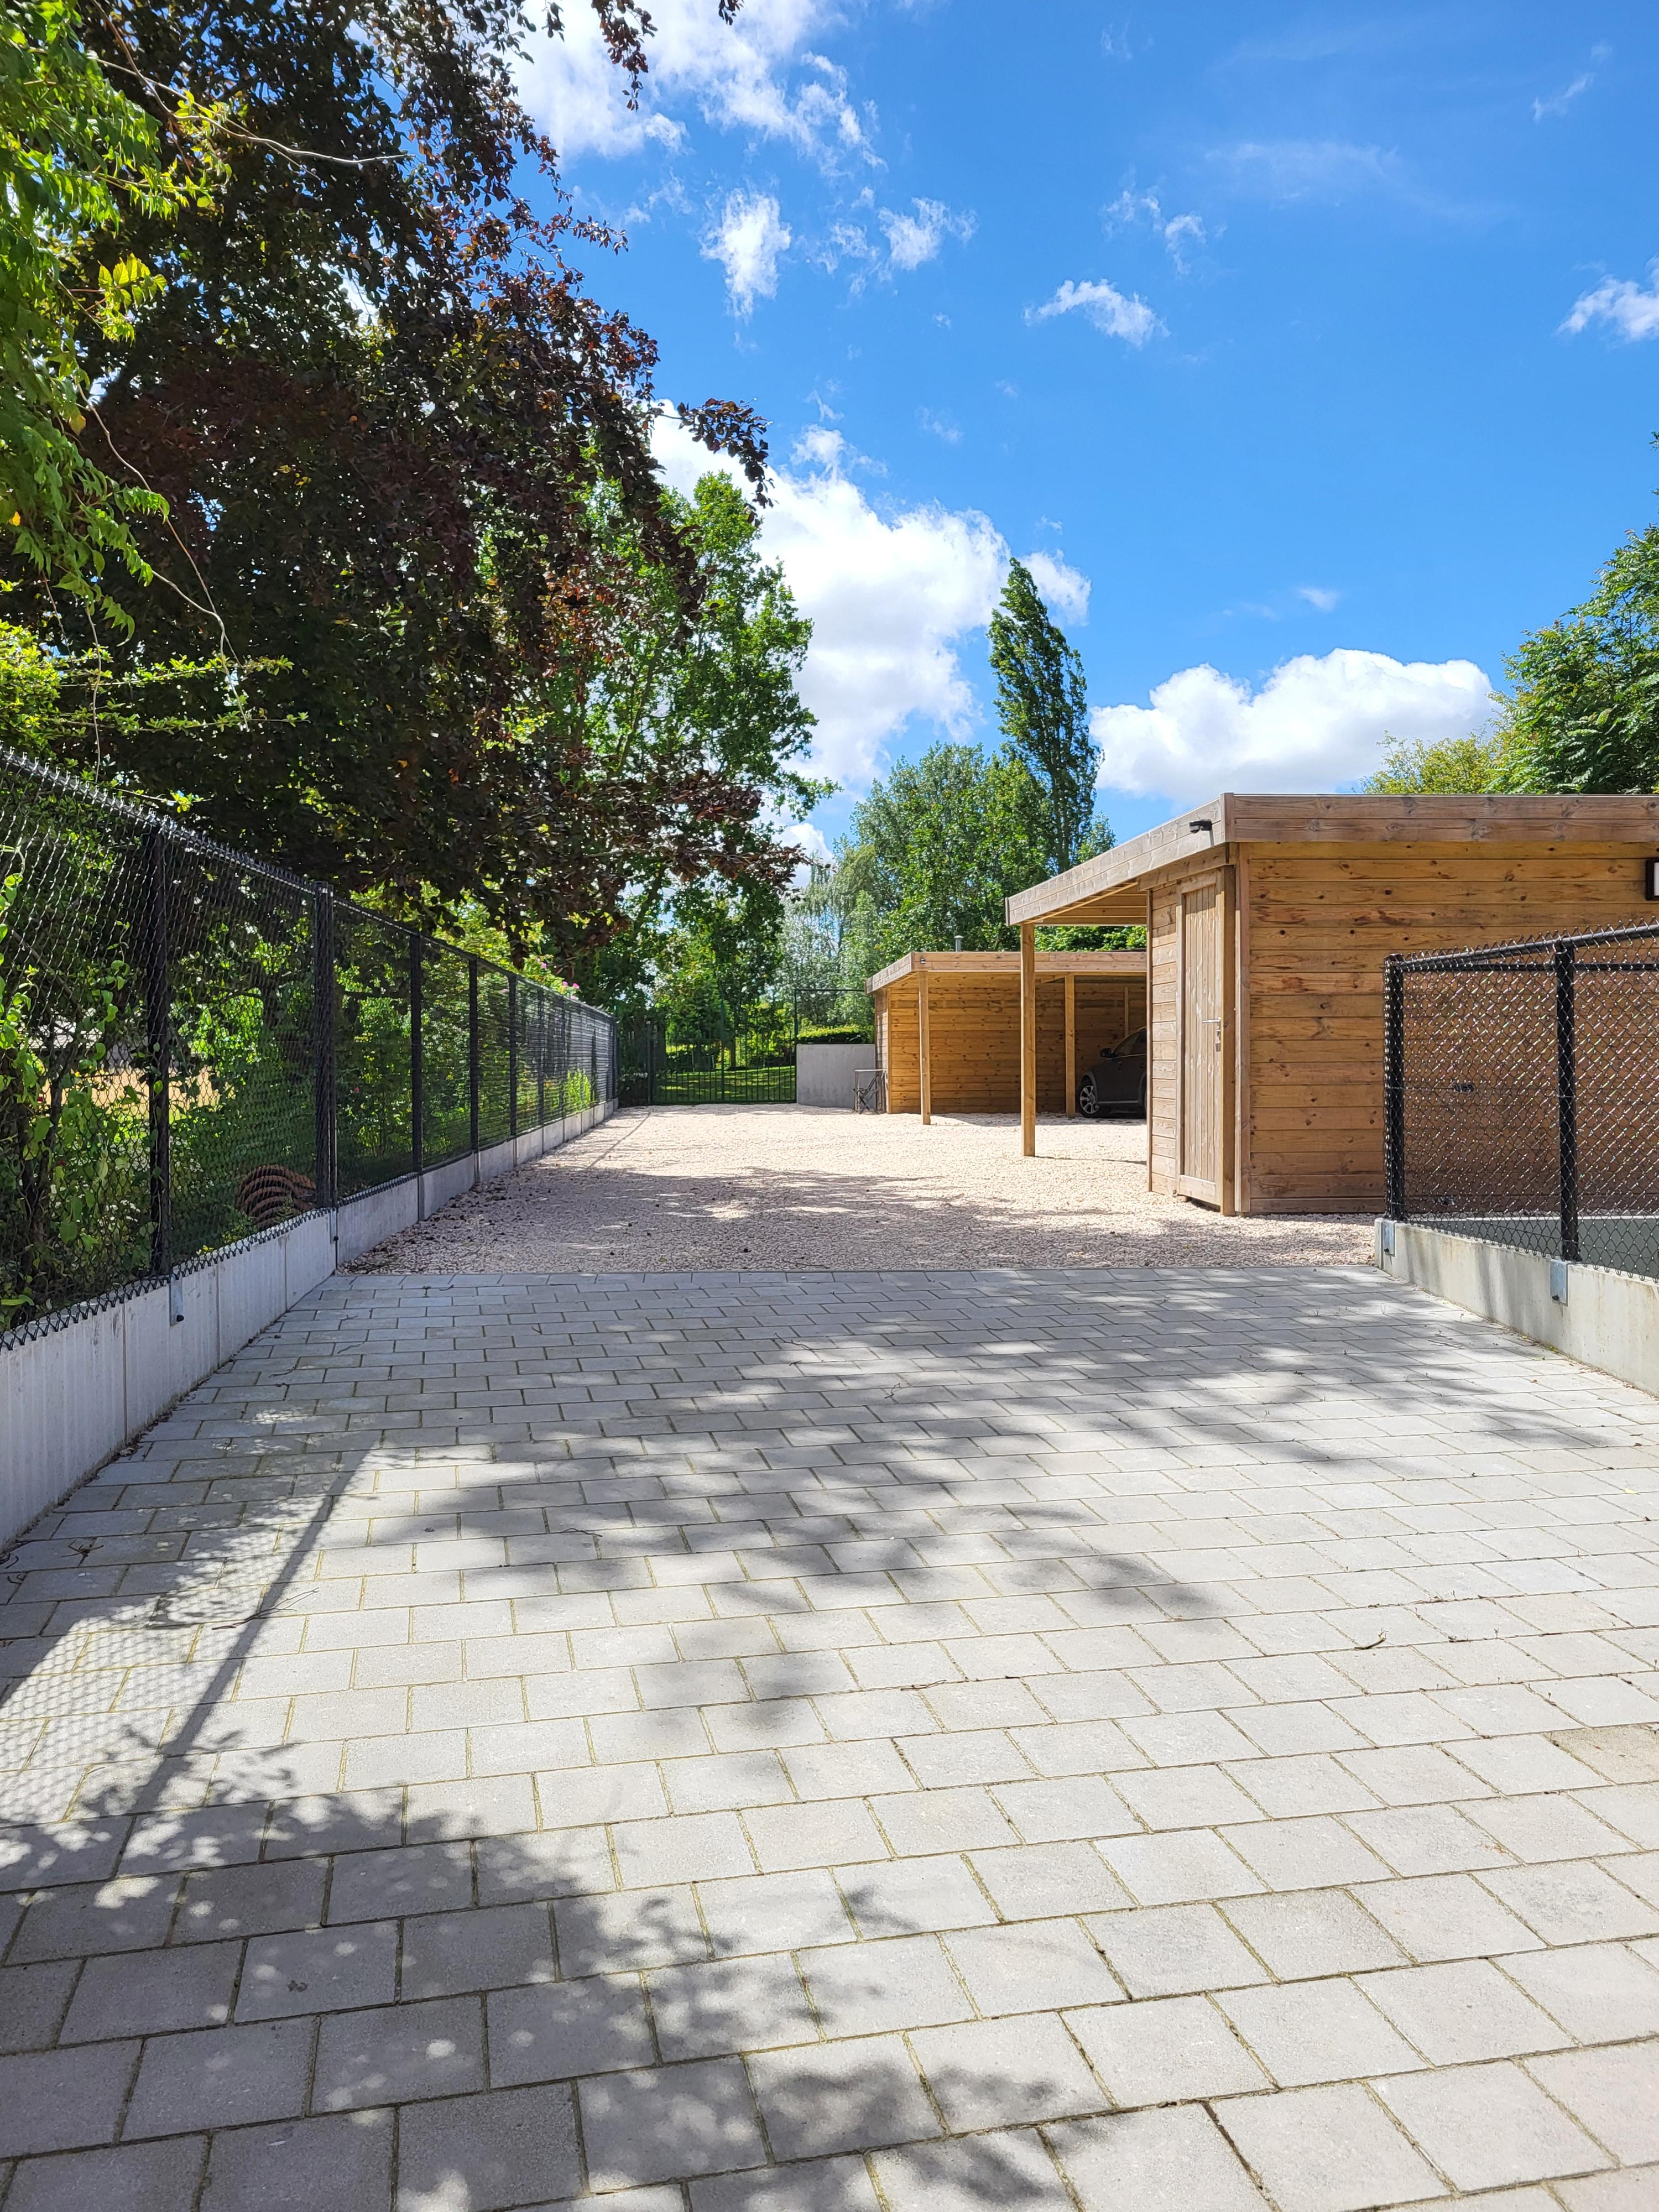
(1321, 923)
(975, 1039)
(1162, 1137)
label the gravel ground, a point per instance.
(764, 1187)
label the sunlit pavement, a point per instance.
(783, 1743)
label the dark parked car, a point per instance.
(1116, 1084)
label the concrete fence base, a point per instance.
(72, 1395)
(1596, 1314)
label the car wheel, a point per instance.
(1088, 1098)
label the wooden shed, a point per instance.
(1269, 920)
(948, 1026)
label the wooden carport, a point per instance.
(948, 1026)
(1269, 920)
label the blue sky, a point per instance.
(1314, 349)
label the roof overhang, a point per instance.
(1112, 887)
(988, 967)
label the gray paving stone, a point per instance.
(669, 2123)
(136, 2178)
(1615, 2093)
(1460, 2011)
(996, 2073)
(504, 2148)
(1315, 1931)
(1168, 1950)
(490, 1946)
(911, 1897)
(319, 1970)
(1321, 2031)
(726, 2005)
(58, 2099)
(220, 2077)
(1168, 2161)
(1012, 2167)
(824, 2184)
(1165, 2050)
(867, 1989)
(388, 2054)
(1485, 2126)
(861, 2094)
(1327, 2149)
(1036, 1964)
(343, 2160)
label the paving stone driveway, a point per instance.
(1153, 1743)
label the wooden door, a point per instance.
(1201, 947)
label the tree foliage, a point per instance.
(1583, 714)
(411, 503)
(1042, 706)
(934, 849)
(1448, 765)
(78, 160)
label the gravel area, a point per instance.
(800, 1186)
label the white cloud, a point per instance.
(1313, 168)
(1631, 310)
(890, 595)
(940, 426)
(1557, 103)
(1106, 307)
(1317, 723)
(758, 74)
(914, 239)
(1065, 589)
(748, 240)
(1320, 596)
(1179, 232)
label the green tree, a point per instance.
(936, 847)
(390, 426)
(696, 705)
(1583, 713)
(1477, 763)
(78, 160)
(1043, 706)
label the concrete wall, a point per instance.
(1596, 1314)
(76, 1392)
(824, 1073)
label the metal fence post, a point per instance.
(472, 1049)
(158, 1045)
(322, 1029)
(417, 1055)
(1566, 1093)
(1394, 1083)
(541, 1057)
(512, 1056)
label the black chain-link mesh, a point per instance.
(1522, 1100)
(195, 1047)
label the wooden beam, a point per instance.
(1071, 1047)
(1149, 1035)
(923, 1053)
(1027, 1010)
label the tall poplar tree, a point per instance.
(1042, 706)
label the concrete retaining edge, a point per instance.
(1597, 1315)
(72, 1396)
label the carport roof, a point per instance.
(986, 966)
(1110, 888)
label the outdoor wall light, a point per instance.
(1204, 822)
(1650, 879)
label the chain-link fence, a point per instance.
(1522, 1095)
(194, 1047)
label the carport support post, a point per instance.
(1566, 1094)
(1028, 1039)
(923, 1053)
(1071, 1047)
